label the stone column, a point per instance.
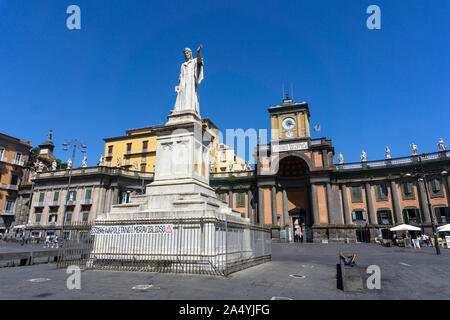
(330, 208)
(370, 205)
(337, 204)
(448, 187)
(260, 206)
(274, 205)
(285, 221)
(325, 158)
(249, 206)
(423, 202)
(315, 204)
(230, 198)
(115, 198)
(396, 203)
(347, 214)
(308, 214)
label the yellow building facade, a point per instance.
(14, 155)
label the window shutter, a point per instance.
(88, 194)
(447, 214)
(353, 215)
(378, 191)
(364, 215)
(437, 214)
(56, 196)
(405, 216)
(41, 197)
(418, 217)
(391, 221)
(379, 217)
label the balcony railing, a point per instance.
(54, 203)
(8, 212)
(39, 204)
(12, 187)
(394, 161)
(87, 201)
(18, 162)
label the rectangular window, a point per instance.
(144, 146)
(69, 216)
(240, 199)
(359, 215)
(88, 194)
(14, 180)
(381, 192)
(442, 214)
(384, 216)
(52, 218)
(72, 197)
(2, 154)
(128, 147)
(124, 197)
(222, 196)
(41, 197)
(85, 216)
(412, 215)
(38, 218)
(9, 205)
(436, 187)
(110, 151)
(407, 190)
(56, 196)
(18, 158)
(356, 193)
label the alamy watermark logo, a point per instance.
(374, 280)
(374, 20)
(74, 20)
(74, 280)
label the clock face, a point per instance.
(288, 123)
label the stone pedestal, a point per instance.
(201, 230)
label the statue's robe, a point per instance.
(191, 74)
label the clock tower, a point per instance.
(289, 120)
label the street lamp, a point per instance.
(422, 177)
(74, 144)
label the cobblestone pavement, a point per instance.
(405, 274)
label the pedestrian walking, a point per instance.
(56, 241)
(47, 242)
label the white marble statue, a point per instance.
(388, 152)
(100, 163)
(191, 74)
(441, 145)
(135, 165)
(40, 166)
(363, 156)
(340, 158)
(119, 162)
(54, 165)
(84, 162)
(249, 166)
(69, 164)
(414, 149)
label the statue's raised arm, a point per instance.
(199, 55)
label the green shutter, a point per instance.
(379, 217)
(418, 217)
(405, 216)
(56, 196)
(437, 214)
(391, 221)
(378, 192)
(88, 194)
(41, 197)
(447, 214)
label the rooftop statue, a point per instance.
(441, 145)
(191, 74)
(340, 158)
(414, 149)
(363, 156)
(388, 152)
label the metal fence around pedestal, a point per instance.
(206, 245)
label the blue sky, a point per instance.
(367, 88)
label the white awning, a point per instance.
(405, 227)
(444, 228)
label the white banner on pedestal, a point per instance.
(133, 229)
